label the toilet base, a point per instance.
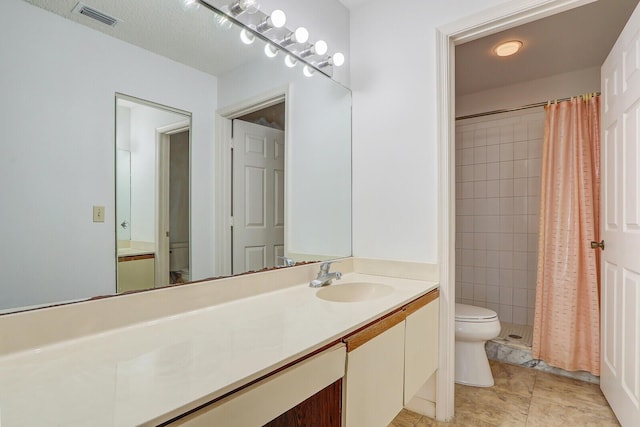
(472, 364)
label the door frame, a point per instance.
(223, 142)
(162, 246)
(482, 24)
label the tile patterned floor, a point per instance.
(523, 397)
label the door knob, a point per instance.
(596, 245)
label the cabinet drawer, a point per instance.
(260, 403)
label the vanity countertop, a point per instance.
(126, 252)
(158, 369)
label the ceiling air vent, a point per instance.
(88, 11)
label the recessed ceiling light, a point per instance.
(508, 48)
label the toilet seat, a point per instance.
(473, 314)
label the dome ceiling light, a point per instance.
(508, 48)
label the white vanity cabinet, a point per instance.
(262, 402)
(421, 343)
(389, 361)
(375, 373)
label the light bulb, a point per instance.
(270, 50)
(338, 59)
(246, 36)
(290, 61)
(301, 35)
(509, 48)
(190, 4)
(320, 47)
(223, 22)
(278, 18)
(240, 6)
(308, 71)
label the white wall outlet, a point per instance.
(98, 214)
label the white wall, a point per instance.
(58, 86)
(395, 166)
(554, 87)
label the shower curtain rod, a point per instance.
(523, 107)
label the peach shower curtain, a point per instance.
(566, 331)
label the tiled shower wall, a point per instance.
(497, 203)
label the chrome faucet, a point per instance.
(324, 276)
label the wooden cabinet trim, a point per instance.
(416, 305)
(360, 338)
(127, 258)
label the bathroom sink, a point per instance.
(354, 292)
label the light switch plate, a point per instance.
(98, 214)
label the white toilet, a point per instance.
(474, 326)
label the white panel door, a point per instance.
(620, 293)
(258, 196)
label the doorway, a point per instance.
(152, 194)
(475, 27)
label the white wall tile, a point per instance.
(520, 298)
(520, 261)
(506, 169)
(494, 306)
(480, 189)
(466, 261)
(467, 291)
(534, 167)
(480, 258)
(493, 259)
(506, 187)
(481, 206)
(506, 313)
(479, 293)
(533, 205)
(493, 186)
(479, 276)
(493, 224)
(467, 190)
(480, 155)
(493, 153)
(467, 156)
(493, 277)
(520, 150)
(506, 134)
(506, 205)
(520, 240)
(467, 139)
(506, 278)
(506, 259)
(506, 296)
(520, 132)
(467, 242)
(493, 241)
(532, 223)
(493, 294)
(480, 172)
(458, 157)
(520, 204)
(480, 137)
(520, 168)
(519, 315)
(520, 279)
(520, 187)
(466, 223)
(534, 149)
(530, 316)
(520, 225)
(467, 173)
(493, 206)
(506, 152)
(480, 241)
(531, 298)
(535, 129)
(533, 186)
(506, 226)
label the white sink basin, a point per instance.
(354, 292)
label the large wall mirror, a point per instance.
(74, 91)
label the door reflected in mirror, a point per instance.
(152, 195)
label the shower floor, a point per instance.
(513, 345)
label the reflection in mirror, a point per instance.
(59, 159)
(152, 183)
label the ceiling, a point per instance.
(189, 36)
(577, 39)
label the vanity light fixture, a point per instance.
(190, 4)
(337, 59)
(290, 61)
(247, 37)
(270, 50)
(319, 48)
(300, 35)
(508, 48)
(308, 71)
(271, 29)
(240, 6)
(277, 19)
